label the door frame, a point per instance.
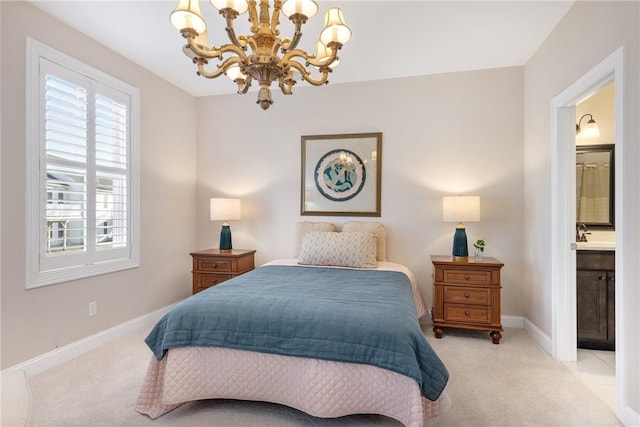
(563, 206)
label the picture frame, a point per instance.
(341, 174)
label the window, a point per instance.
(82, 169)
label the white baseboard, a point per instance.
(629, 417)
(516, 322)
(539, 336)
(63, 354)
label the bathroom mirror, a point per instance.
(595, 186)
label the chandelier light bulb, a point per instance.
(239, 6)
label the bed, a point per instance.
(329, 340)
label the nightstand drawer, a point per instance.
(204, 280)
(213, 264)
(476, 277)
(469, 314)
(460, 295)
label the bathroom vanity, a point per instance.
(596, 298)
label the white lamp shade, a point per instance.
(221, 209)
(591, 130)
(187, 15)
(461, 208)
(307, 8)
(335, 29)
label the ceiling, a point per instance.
(390, 38)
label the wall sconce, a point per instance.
(224, 210)
(460, 209)
(590, 130)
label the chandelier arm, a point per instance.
(325, 70)
(286, 86)
(214, 52)
(297, 35)
(310, 59)
(224, 66)
(212, 74)
(276, 45)
(201, 52)
(231, 33)
(251, 42)
(246, 85)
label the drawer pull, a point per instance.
(466, 295)
(466, 277)
(466, 313)
(214, 265)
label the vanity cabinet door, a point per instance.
(611, 307)
(592, 305)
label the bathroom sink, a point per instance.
(596, 246)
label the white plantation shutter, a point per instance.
(82, 151)
(64, 99)
(112, 168)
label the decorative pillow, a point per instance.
(303, 227)
(375, 227)
(353, 249)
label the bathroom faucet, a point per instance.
(581, 233)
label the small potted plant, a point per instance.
(479, 245)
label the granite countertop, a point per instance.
(596, 246)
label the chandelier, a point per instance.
(270, 58)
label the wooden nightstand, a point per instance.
(213, 266)
(466, 295)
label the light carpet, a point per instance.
(515, 383)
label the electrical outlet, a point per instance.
(93, 308)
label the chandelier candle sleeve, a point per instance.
(262, 55)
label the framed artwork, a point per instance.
(341, 174)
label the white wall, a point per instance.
(589, 32)
(38, 320)
(442, 135)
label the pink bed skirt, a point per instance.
(320, 388)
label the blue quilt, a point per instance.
(344, 315)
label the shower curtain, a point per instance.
(593, 192)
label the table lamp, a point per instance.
(222, 209)
(460, 209)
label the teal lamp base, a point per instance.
(225, 238)
(460, 249)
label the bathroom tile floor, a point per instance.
(597, 369)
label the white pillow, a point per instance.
(353, 249)
(375, 227)
(303, 227)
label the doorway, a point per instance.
(563, 245)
